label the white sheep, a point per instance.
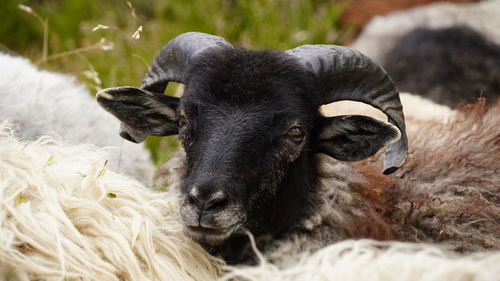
(37, 102)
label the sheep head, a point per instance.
(249, 122)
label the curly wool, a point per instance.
(452, 175)
(447, 192)
(65, 215)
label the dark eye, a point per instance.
(296, 134)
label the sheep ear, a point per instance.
(141, 112)
(353, 137)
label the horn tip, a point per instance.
(392, 162)
(390, 170)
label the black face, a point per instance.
(249, 124)
(244, 123)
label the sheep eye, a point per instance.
(296, 134)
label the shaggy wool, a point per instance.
(64, 215)
(452, 174)
(352, 260)
(447, 192)
(38, 102)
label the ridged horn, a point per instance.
(173, 59)
(346, 74)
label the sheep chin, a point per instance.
(210, 236)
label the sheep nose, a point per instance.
(207, 201)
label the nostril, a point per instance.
(207, 200)
(217, 199)
(195, 197)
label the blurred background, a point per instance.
(111, 43)
(94, 40)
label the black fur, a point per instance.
(239, 106)
(450, 66)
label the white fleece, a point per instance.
(37, 102)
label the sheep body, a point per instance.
(381, 33)
(446, 193)
(446, 52)
(37, 102)
(460, 65)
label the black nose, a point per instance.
(207, 200)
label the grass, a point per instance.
(58, 35)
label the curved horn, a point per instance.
(171, 62)
(346, 74)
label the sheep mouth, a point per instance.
(209, 236)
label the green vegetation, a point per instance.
(73, 47)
